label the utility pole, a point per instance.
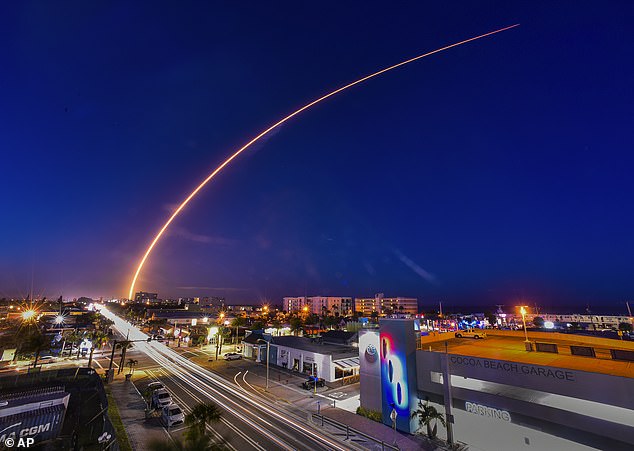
(444, 360)
(110, 372)
(92, 349)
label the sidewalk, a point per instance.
(377, 430)
(284, 388)
(141, 430)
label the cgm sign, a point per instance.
(22, 433)
(488, 412)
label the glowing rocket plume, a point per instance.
(280, 122)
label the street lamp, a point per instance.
(268, 345)
(213, 332)
(527, 344)
(29, 315)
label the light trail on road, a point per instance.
(280, 122)
(248, 410)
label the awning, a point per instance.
(347, 363)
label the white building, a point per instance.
(331, 362)
(294, 304)
(385, 306)
(319, 305)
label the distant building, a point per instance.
(213, 302)
(590, 322)
(180, 316)
(294, 304)
(240, 308)
(142, 296)
(386, 306)
(319, 305)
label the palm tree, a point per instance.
(426, 415)
(193, 442)
(276, 324)
(34, 342)
(100, 338)
(73, 337)
(200, 415)
(237, 322)
(296, 324)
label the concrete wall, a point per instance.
(370, 369)
(522, 390)
(550, 336)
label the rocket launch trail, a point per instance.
(262, 134)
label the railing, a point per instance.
(351, 431)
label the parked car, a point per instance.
(155, 386)
(161, 398)
(172, 415)
(232, 356)
(310, 383)
(471, 333)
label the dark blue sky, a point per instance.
(502, 168)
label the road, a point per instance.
(248, 422)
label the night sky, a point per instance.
(497, 172)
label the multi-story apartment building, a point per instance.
(319, 305)
(294, 304)
(386, 306)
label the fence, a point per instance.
(350, 431)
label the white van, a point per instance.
(172, 415)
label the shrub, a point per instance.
(374, 415)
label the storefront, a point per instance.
(303, 355)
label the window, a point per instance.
(340, 373)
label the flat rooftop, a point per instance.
(512, 348)
(306, 344)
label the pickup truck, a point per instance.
(471, 333)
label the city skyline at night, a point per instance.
(493, 173)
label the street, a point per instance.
(248, 421)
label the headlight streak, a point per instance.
(278, 123)
(223, 420)
(177, 367)
(185, 369)
(231, 410)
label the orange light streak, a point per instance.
(280, 122)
